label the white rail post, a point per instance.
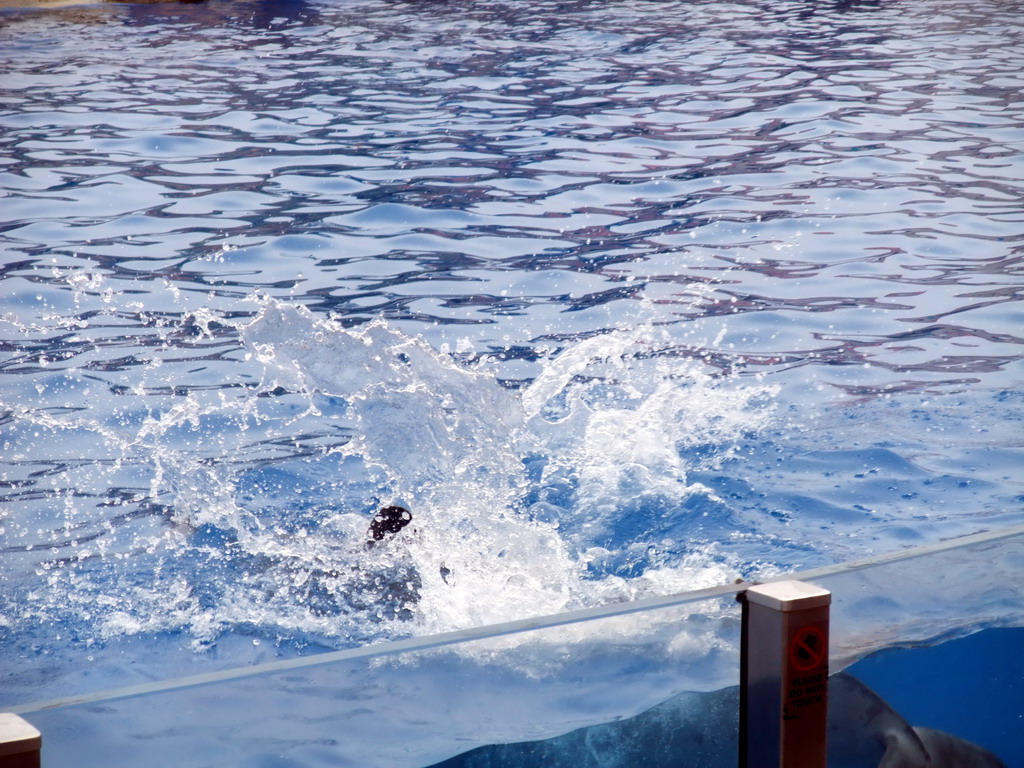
(784, 676)
(20, 742)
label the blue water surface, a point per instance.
(672, 292)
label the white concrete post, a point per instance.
(784, 676)
(20, 742)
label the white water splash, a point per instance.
(607, 420)
(248, 501)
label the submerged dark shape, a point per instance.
(695, 730)
(387, 522)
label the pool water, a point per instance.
(620, 299)
(978, 694)
(983, 674)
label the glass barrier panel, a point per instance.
(929, 651)
(421, 707)
(926, 596)
(652, 682)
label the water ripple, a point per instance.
(821, 197)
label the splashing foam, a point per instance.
(607, 421)
(445, 440)
(618, 411)
(245, 509)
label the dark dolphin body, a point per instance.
(379, 584)
(375, 587)
(695, 730)
(387, 522)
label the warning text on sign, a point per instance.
(806, 690)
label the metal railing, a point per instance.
(781, 673)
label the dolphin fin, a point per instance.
(860, 721)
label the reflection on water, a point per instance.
(762, 261)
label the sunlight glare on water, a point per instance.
(620, 299)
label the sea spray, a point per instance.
(449, 443)
(243, 508)
(624, 417)
(515, 496)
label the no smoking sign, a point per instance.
(808, 649)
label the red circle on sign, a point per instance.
(808, 649)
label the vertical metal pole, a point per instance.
(784, 676)
(20, 742)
